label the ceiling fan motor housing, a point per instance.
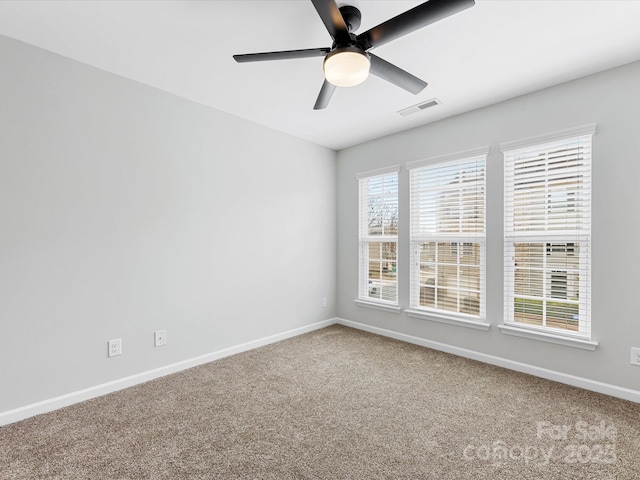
(352, 17)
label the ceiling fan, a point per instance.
(348, 62)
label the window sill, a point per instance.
(460, 322)
(378, 306)
(548, 337)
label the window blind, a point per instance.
(547, 221)
(447, 212)
(378, 233)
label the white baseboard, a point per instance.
(49, 405)
(585, 383)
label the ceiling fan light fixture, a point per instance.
(346, 67)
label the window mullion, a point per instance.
(458, 277)
(436, 268)
(544, 284)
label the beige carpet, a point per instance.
(333, 404)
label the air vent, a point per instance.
(419, 107)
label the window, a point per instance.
(548, 234)
(379, 237)
(448, 235)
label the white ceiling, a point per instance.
(493, 51)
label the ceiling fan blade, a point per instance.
(282, 55)
(332, 19)
(411, 20)
(326, 92)
(392, 74)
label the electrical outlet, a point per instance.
(635, 356)
(115, 347)
(160, 337)
(324, 302)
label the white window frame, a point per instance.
(364, 293)
(419, 236)
(547, 232)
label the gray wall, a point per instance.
(124, 210)
(612, 100)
